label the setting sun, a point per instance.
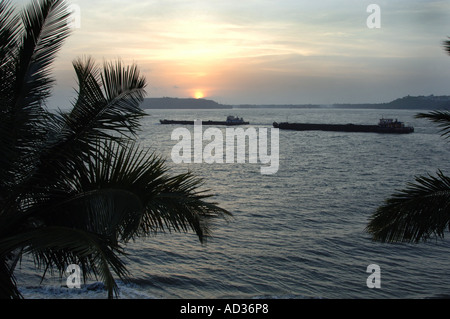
(199, 95)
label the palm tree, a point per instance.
(422, 210)
(75, 187)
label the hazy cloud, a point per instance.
(256, 51)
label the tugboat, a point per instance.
(384, 126)
(234, 120)
(231, 121)
(391, 126)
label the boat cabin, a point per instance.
(390, 123)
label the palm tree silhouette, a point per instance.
(74, 186)
(422, 210)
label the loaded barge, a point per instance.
(384, 126)
(231, 120)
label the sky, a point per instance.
(266, 51)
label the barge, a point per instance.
(384, 126)
(230, 121)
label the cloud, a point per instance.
(243, 49)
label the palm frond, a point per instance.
(99, 113)
(108, 101)
(57, 247)
(128, 192)
(9, 30)
(45, 25)
(442, 118)
(419, 212)
(124, 192)
(26, 83)
(182, 205)
(161, 201)
(124, 90)
(8, 284)
(446, 45)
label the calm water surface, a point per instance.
(295, 234)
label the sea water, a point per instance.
(298, 233)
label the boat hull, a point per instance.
(343, 128)
(227, 123)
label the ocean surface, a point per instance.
(298, 233)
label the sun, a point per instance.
(199, 95)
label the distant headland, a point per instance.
(408, 102)
(182, 103)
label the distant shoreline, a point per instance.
(182, 103)
(407, 103)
